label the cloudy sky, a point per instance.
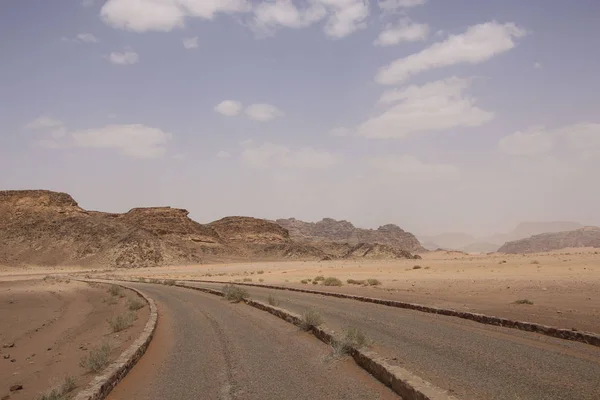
(436, 115)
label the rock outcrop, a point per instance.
(330, 230)
(584, 237)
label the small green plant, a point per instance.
(417, 267)
(355, 282)
(97, 359)
(135, 304)
(332, 281)
(310, 319)
(61, 392)
(115, 290)
(373, 282)
(319, 278)
(234, 294)
(274, 301)
(247, 279)
(524, 301)
(121, 322)
(169, 282)
(304, 281)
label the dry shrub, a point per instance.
(355, 282)
(351, 338)
(416, 267)
(234, 294)
(524, 301)
(115, 290)
(310, 319)
(319, 278)
(304, 281)
(135, 304)
(373, 282)
(97, 359)
(332, 281)
(274, 301)
(61, 392)
(122, 321)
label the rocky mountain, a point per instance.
(330, 230)
(39, 227)
(584, 237)
(526, 229)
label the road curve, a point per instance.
(472, 360)
(208, 348)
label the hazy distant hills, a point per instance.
(588, 236)
(468, 243)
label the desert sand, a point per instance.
(49, 324)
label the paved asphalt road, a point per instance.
(475, 361)
(208, 348)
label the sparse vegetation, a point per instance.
(351, 338)
(247, 279)
(169, 282)
(524, 301)
(261, 280)
(304, 281)
(319, 278)
(260, 272)
(153, 280)
(62, 392)
(332, 281)
(274, 301)
(310, 319)
(97, 359)
(121, 322)
(355, 282)
(135, 304)
(111, 301)
(235, 294)
(417, 267)
(535, 262)
(142, 280)
(502, 262)
(373, 282)
(315, 282)
(115, 290)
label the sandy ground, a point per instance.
(49, 324)
(563, 285)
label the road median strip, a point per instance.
(102, 384)
(560, 333)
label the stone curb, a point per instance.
(567, 334)
(102, 384)
(400, 380)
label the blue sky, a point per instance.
(434, 115)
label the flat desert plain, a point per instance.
(564, 286)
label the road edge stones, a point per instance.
(102, 384)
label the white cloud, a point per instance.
(409, 169)
(246, 142)
(434, 106)
(535, 140)
(537, 65)
(263, 112)
(44, 122)
(223, 154)
(340, 132)
(127, 57)
(583, 138)
(479, 43)
(134, 140)
(229, 108)
(59, 133)
(272, 156)
(164, 15)
(87, 38)
(405, 31)
(190, 43)
(390, 5)
(343, 16)
(48, 143)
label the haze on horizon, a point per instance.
(437, 116)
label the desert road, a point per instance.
(473, 360)
(208, 348)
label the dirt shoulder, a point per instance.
(564, 286)
(49, 325)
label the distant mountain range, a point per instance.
(588, 236)
(468, 243)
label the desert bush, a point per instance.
(319, 278)
(332, 281)
(121, 321)
(154, 280)
(115, 290)
(110, 300)
(247, 279)
(261, 280)
(169, 282)
(97, 359)
(315, 282)
(135, 304)
(234, 294)
(417, 267)
(535, 262)
(260, 272)
(355, 282)
(524, 301)
(61, 392)
(373, 282)
(142, 280)
(502, 262)
(350, 338)
(274, 301)
(304, 281)
(310, 319)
